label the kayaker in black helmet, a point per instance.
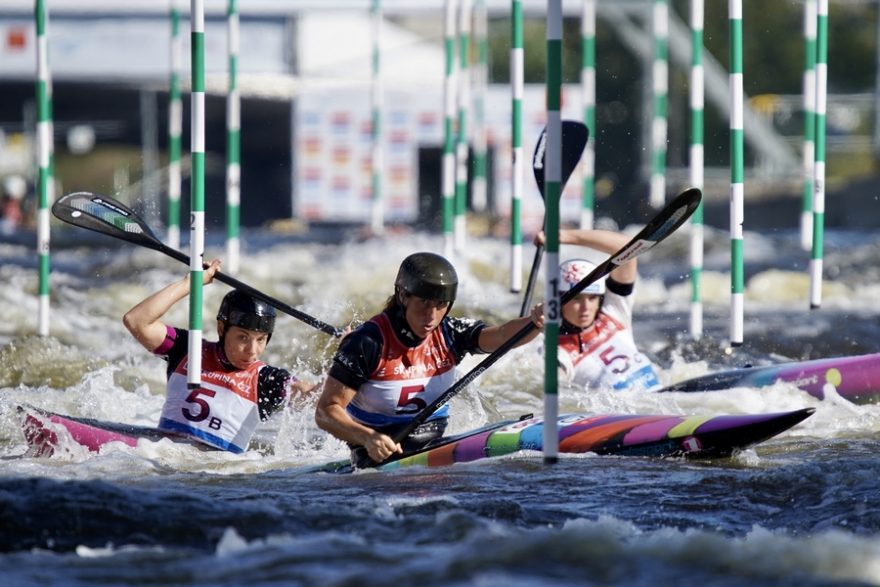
(391, 367)
(238, 389)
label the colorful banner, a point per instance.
(332, 152)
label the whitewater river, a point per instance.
(799, 509)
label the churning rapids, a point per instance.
(798, 509)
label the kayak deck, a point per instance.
(41, 430)
(657, 435)
(855, 378)
(623, 435)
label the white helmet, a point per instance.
(573, 271)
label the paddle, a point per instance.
(108, 216)
(574, 139)
(662, 225)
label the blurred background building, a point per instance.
(305, 80)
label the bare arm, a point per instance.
(605, 241)
(331, 416)
(303, 390)
(144, 320)
(301, 394)
(493, 337)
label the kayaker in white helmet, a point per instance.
(596, 345)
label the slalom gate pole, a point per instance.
(45, 156)
(233, 143)
(461, 145)
(479, 198)
(819, 170)
(377, 214)
(737, 175)
(448, 179)
(517, 59)
(696, 165)
(588, 97)
(660, 80)
(809, 150)
(175, 128)
(553, 186)
(197, 194)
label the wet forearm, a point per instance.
(493, 337)
(335, 420)
(155, 306)
(605, 241)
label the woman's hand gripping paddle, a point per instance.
(106, 215)
(574, 139)
(661, 226)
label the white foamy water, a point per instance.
(796, 509)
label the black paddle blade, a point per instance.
(574, 139)
(106, 215)
(662, 225)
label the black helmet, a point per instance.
(428, 276)
(241, 309)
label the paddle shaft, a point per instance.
(105, 215)
(286, 308)
(662, 225)
(533, 277)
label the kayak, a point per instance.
(610, 434)
(46, 431)
(855, 378)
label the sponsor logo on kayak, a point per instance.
(805, 381)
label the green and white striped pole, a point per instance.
(588, 94)
(737, 172)
(479, 198)
(553, 187)
(377, 216)
(696, 164)
(233, 144)
(819, 177)
(660, 79)
(448, 179)
(461, 147)
(809, 122)
(517, 60)
(175, 128)
(45, 140)
(197, 193)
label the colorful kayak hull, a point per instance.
(623, 435)
(856, 379)
(41, 430)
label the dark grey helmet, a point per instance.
(241, 309)
(428, 276)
